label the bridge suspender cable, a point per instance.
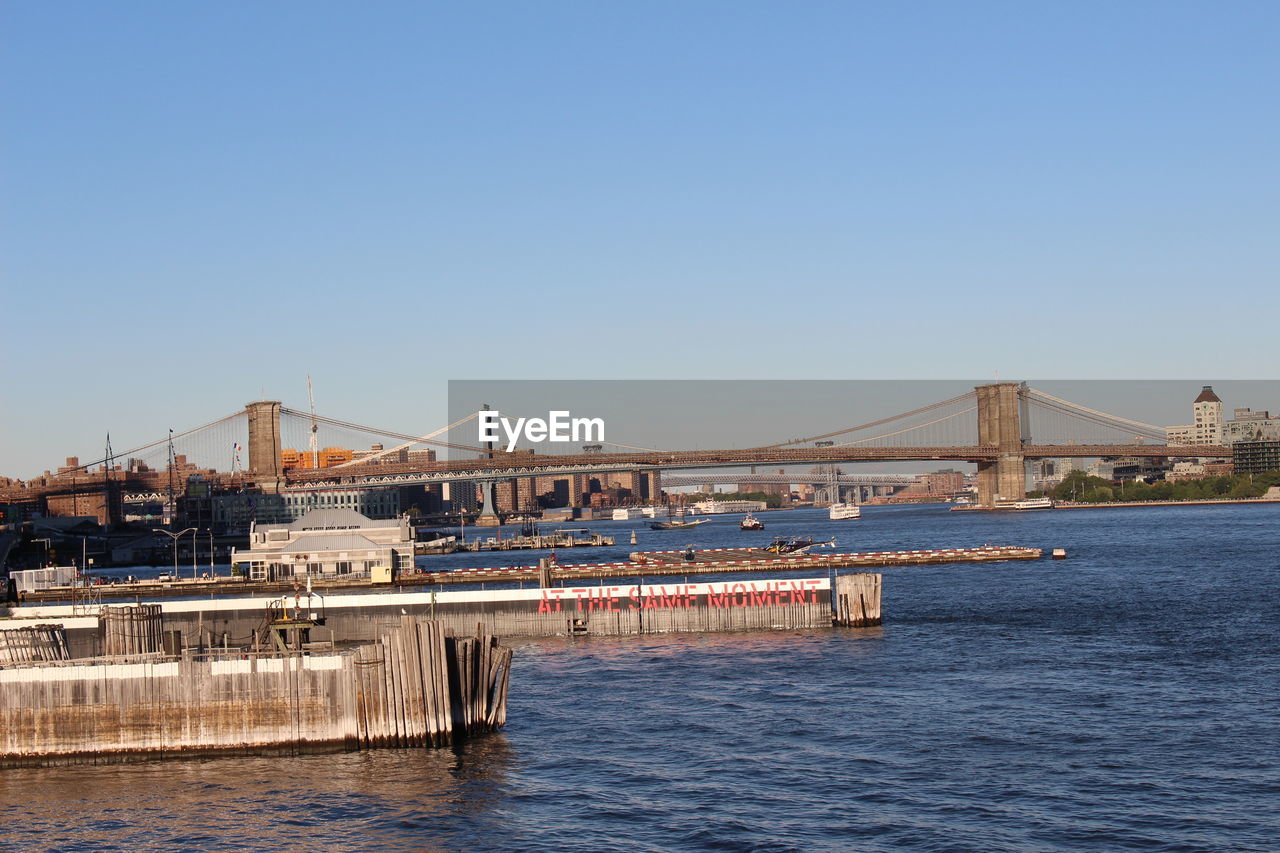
(870, 424)
(430, 438)
(910, 428)
(420, 440)
(145, 447)
(1097, 416)
(412, 439)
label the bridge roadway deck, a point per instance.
(524, 465)
(504, 466)
(645, 563)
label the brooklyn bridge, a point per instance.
(999, 427)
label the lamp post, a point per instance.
(175, 537)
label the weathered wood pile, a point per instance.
(418, 687)
(131, 630)
(482, 671)
(37, 643)
(857, 600)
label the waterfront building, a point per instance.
(1186, 469)
(1206, 411)
(326, 543)
(235, 512)
(1210, 428)
(1248, 425)
(380, 502)
(1256, 457)
(1102, 468)
(460, 496)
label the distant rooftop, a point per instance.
(1207, 396)
(322, 544)
(339, 519)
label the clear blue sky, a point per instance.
(203, 202)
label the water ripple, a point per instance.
(1122, 700)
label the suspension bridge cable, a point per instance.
(909, 429)
(381, 432)
(398, 448)
(870, 424)
(1099, 418)
(1073, 416)
(137, 450)
(1115, 418)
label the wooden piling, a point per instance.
(857, 600)
(36, 643)
(131, 630)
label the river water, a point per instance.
(1123, 699)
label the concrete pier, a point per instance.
(563, 610)
(413, 687)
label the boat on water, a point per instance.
(677, 524)
(676, 520)
(751, 523)
(843, 511)
(1025, 504)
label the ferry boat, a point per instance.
(842, 511)
(676, 521)
(1025, 504)
(751, 523)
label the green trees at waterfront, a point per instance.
(1083, 488)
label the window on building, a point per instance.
(344, 567)
(313, 569)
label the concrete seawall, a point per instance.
(761, 604)
(414, 687)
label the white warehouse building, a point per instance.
(327, 543)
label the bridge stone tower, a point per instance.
(1002, 423)
(265, 464)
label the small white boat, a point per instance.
(677, 524)
(842, 511)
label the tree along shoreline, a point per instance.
(1207, 502)
(1080, 488)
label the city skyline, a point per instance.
(643, 407)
